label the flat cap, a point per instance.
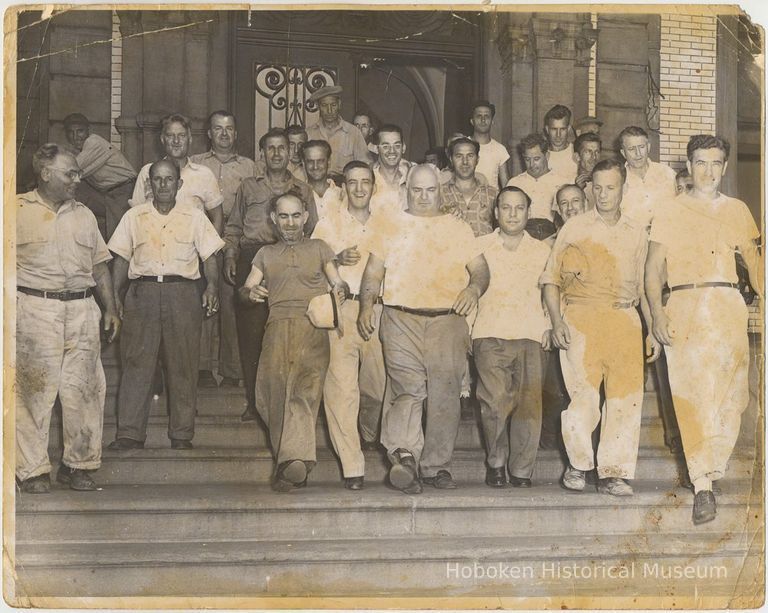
(588, 119)
(328, 90)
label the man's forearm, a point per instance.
(120, 276)
(211, 270)
(104, 286)
(551, 294)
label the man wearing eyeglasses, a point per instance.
(61, 259)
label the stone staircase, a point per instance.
(204, 523)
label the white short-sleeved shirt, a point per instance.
(511, 308)
(644, 196)
(330, 202)
(541, 190)
(425, 259)
(199, 187)
(562, 163)
(492, 155)
(172, 244)
(701, 237)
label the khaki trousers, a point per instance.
(354, 389)
(709, 374)
(58, 352)
(606, 347)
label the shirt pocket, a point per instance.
(183, 245)
(84, 245)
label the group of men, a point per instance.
(435, 277)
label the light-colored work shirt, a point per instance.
(477, 212)
(701, 237)
(425, 259)
(511, 308)
(56, 250)
(644, 196)
(541, 190)
(172, 244)
(492, 155)
(346, 141)
(199, 187)
(330, 202)
(595, 262)
(103, 166)
(391, 196)
(229, 173)
(562, 163)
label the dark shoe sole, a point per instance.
(115, 446)
(181, 445)
(295, 472)
(521, 484)
(401, 476)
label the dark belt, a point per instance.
(164, 279)
(86, 293)
(357, 298)
(705, 284)
(422, 312)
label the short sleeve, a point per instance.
(259, 261)
(502, 154)
(207, 240)
(326, 253)
(385, 227)
(100, 252)
(211, 193)
(662, 226)
(551, 274)
(121, 242)
(746, 229)
(466, 241)
(324, 231)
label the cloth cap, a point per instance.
(588, 119)
(328, 90)
(323, 311)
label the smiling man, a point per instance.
(327, 195)
(492, 156)
(390, 170)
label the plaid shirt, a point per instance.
(478, 212)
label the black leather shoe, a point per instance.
(704, 507)
(519, 481)
(441, 481)
(206, 379)
(496, 477)
(353, 483)
(403, 473)
(123, 444)
(76, 479)
(36, 485)
(177, 443)
(249, 414)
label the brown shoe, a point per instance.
(76, 479)
(36, 485)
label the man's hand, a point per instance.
(546, 341)
(652, 349)
(211, 300)
(112, 323)
(349, 257)
(258, 293)
(119, 307)
(662, 328)
(341, 290)
(561, 335)
(366, 325)
(230, 269)
(583, 179)
(466, 301)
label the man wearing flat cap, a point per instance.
(587, 124)
(346, 141)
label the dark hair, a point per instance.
(175, 118)
(361, 114)
(295, 129)
(557, 112)
(221, 113)
(631, 131)
(683, 174)
(611, 164)
(76, 119)
(486, 104)
(566, 186)
(463, 141)
(534, 140)
(358, 164)
(272, 133)
(707, 141)
(515, 189)
(154, 165)
(440, 153)
(291, 192)
(324, 145)
(44, 156)
(389, 127)
(587, 137)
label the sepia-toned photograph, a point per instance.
(384, 307)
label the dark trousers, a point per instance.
(509, 378)
(108, 207)
(666, 405)
(251, 319)
(159, 319)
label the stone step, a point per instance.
(612, 571)
(219, 512)
(234, 465)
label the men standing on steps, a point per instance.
(463, 193)
(493, 156)
(248, 229)
(346, 141)
(596, 268)
(557, 125)
(507, 342)
(289, 383)
(60, 259)
(540, 183)
(434, 278)
(326, 194)
(354, 384)
(107, 177)
(390, 170)
(159, 245)
(229, 168)
(694, 238)
(297, 136)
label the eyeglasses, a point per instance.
(72, 174)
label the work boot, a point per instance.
(77, 479)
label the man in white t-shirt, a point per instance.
(693, 242)
(557, 127)
(390, 170)
(493, 156)
(433, 277)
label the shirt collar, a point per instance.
(285, 246)
(211, 154)
(624, 219)
(34, 197)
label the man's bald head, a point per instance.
(423, 186)
(163, 163)
(165, 181)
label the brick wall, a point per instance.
(687, 82)
(117, 80)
